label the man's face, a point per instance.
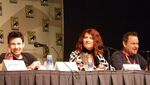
(132, 45)
(88, 41)
(16, 46)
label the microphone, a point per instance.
(111, 48)
(144, 51)
(37, 44)
(109, 51)
(107, 48)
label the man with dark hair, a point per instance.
(129, 53)
(16, 45)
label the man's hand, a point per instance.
(34, 65)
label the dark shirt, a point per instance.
(118, 59)
(27, 58)
(96, 60)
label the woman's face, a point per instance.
(88, 41)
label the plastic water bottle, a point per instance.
(90, 65)
(49, 62)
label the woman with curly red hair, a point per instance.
(90, 46)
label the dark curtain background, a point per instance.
(111, 18)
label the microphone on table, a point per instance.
(147, 56)
(37, 44)
(144, 51)
(111, 48)
(107, 48)
(109, 51)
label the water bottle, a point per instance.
(90, 65)
(49, 62)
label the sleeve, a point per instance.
(73, 56)
(29, 58)
(117, 60)
(143, 62)
(33, 58)
(2, 57)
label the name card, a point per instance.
(131, 67)
(13, 65)
(66, 66)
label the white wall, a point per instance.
(33, 24)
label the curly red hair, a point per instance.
(98, 43)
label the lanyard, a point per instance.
(129, 62)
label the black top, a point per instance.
(118, 59)
(27, 58)
(96, 60)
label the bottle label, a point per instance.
(8, 55)
(90, 66)
(49, 62)
(8, 58)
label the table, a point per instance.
(74, 78)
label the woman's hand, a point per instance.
(101, 67)
(78, 61)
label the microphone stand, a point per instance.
(109, 52)
(56, 53)
(45, 48)
(46, 51)
(109, 57)
(147, 53)
(148, 59)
